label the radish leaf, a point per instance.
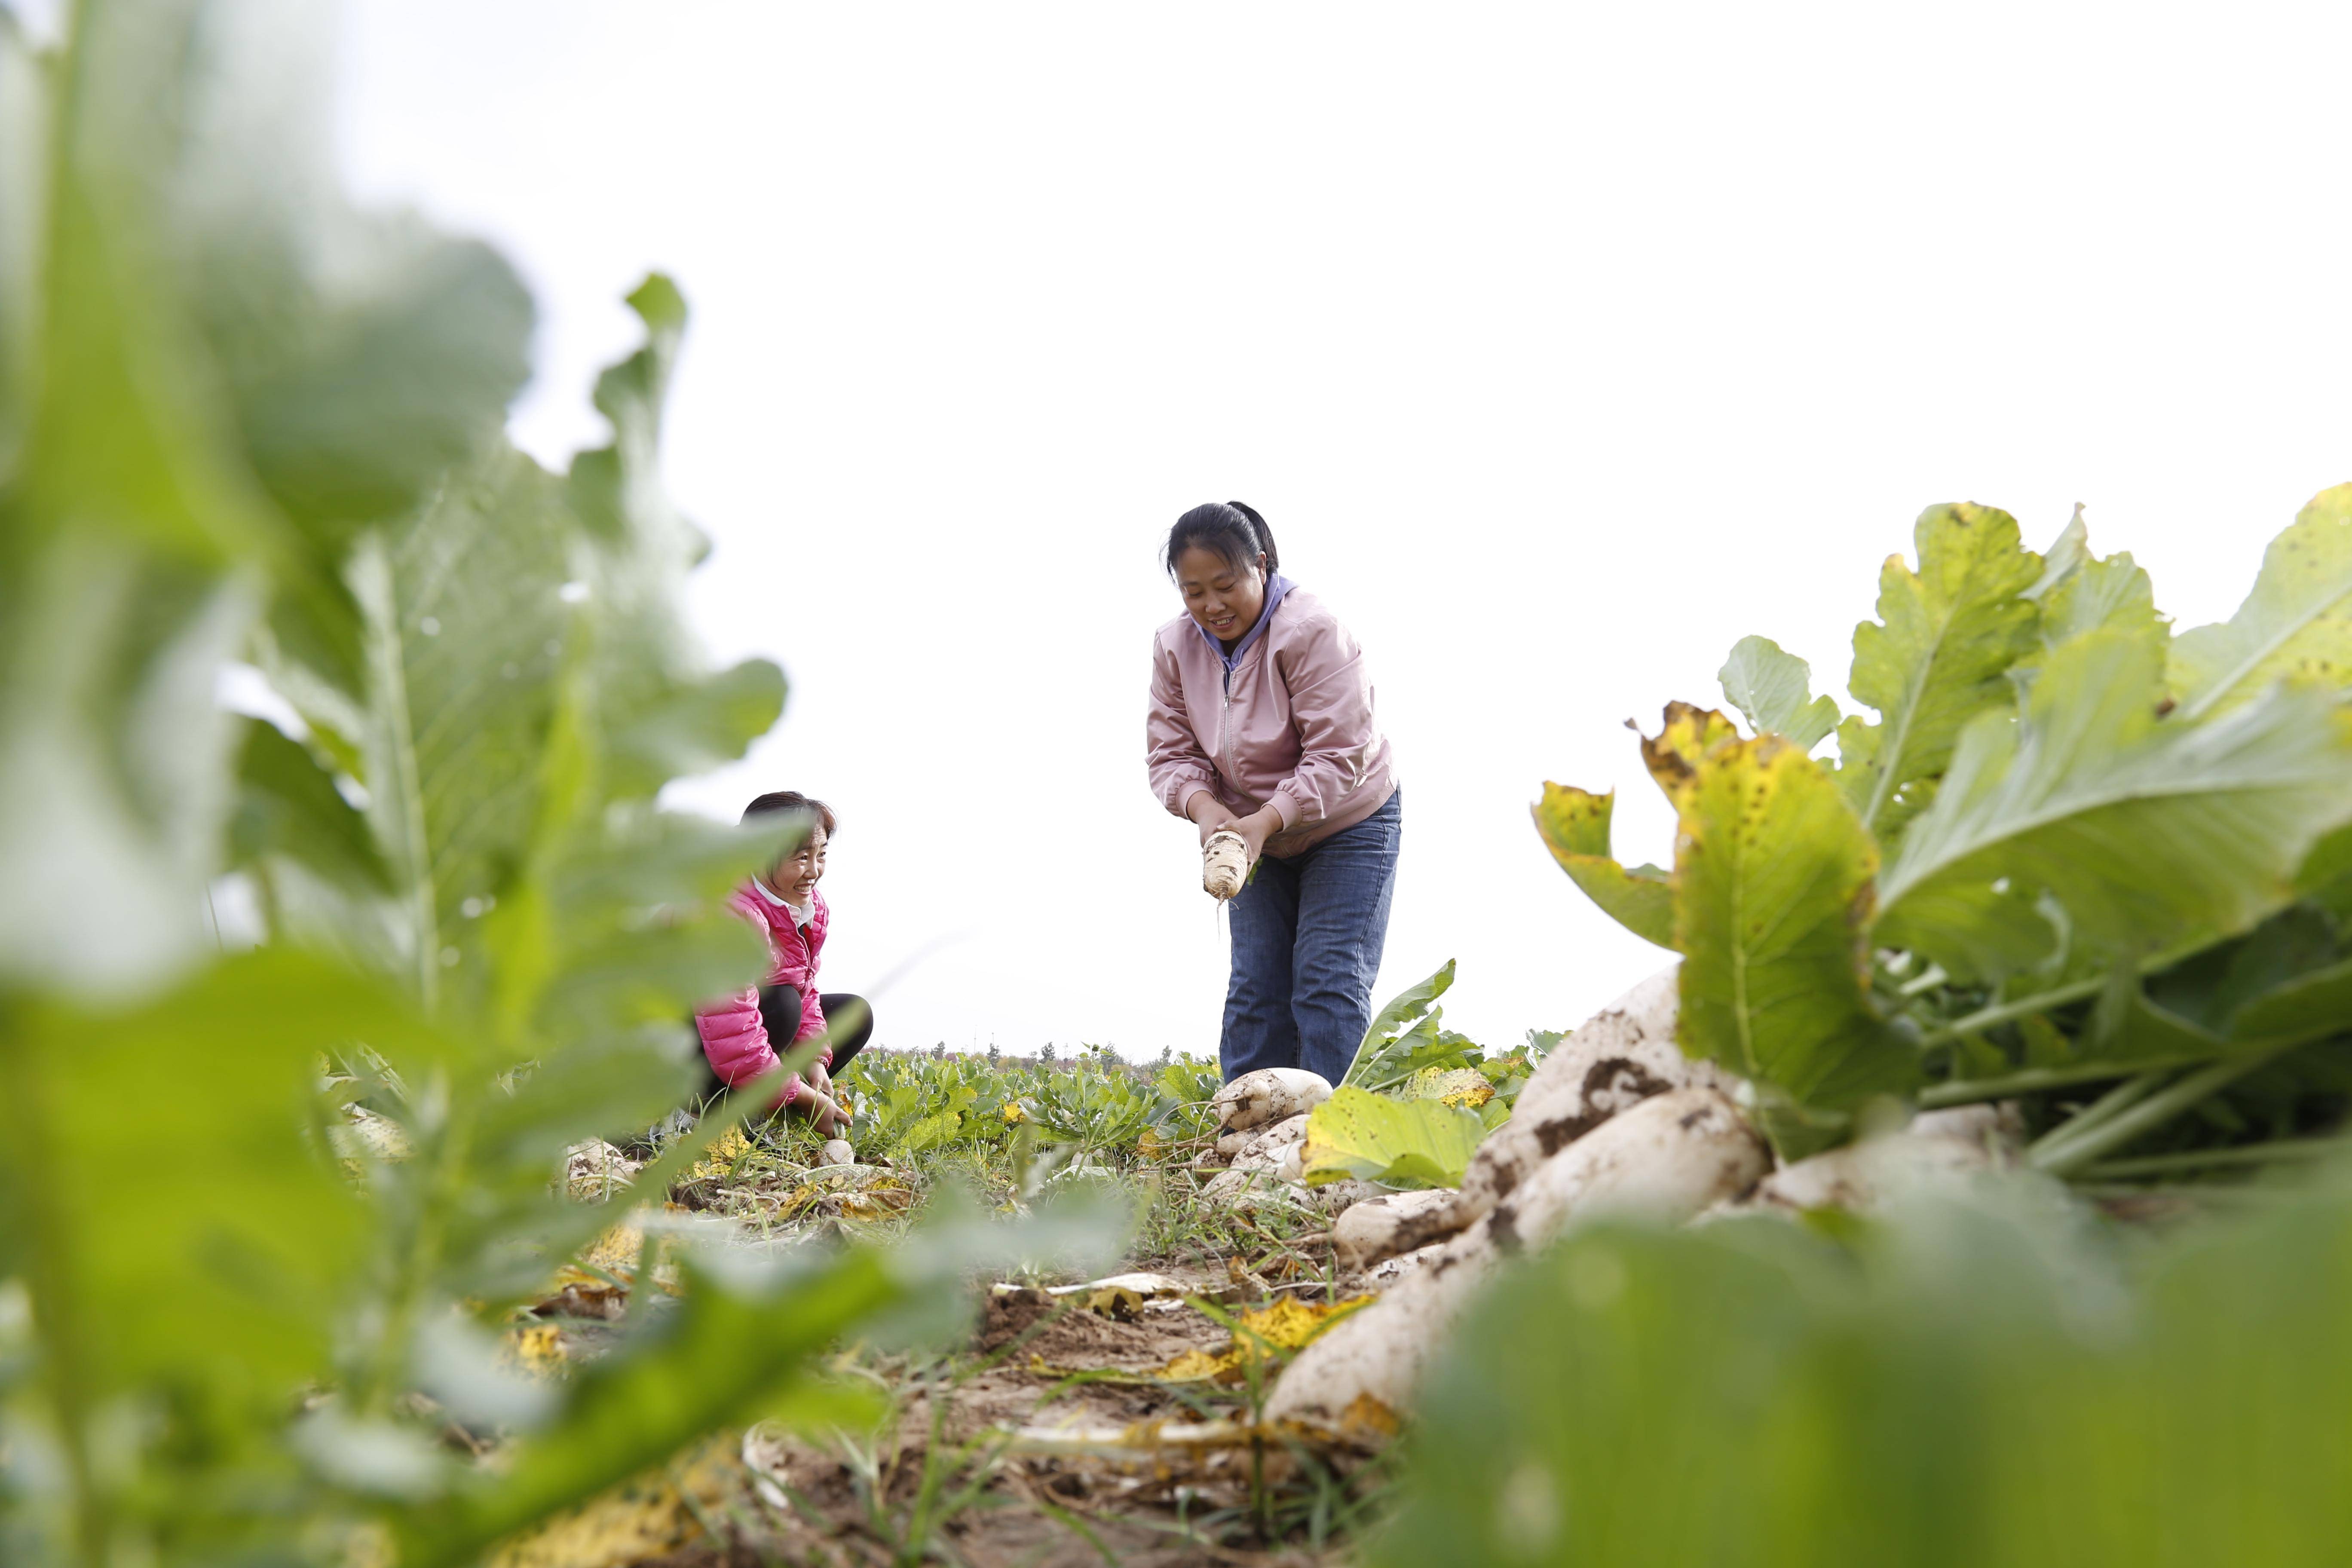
(1398, 1142)
(1774, 689)
(1936, 659)
(1575, 828)
(1684, 739)
(1408, 1037)
(2296, 624)
(2147, 833)
(1772, 904)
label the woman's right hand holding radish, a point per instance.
(1210, 815)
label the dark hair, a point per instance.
(1227, 529)
(790, 800)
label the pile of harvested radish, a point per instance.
(1617, 1120)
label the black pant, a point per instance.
(780, 1010)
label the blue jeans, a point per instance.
(1307, 938)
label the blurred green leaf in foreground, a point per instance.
(241, 421)
(1964, 1382)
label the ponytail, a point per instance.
(1264, 535)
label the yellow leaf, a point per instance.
(1294, 1324)
(617, 1250)
(728, 1148)
(1689, 735)
(1464, 1086)
(1196, 1366)
(616, 1253)
(1288, 1325)
(1574, 824)
(538, 1347)
(1367, 1414)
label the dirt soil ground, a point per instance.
(975, 1462)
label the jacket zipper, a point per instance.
(1225, 733)
(1225, 737)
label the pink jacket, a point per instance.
(734, 1037)
(1292, 724)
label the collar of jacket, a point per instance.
(1276, 587)
(801, 913)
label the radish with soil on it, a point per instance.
(1225, 864)
(1261, 732)
(1268, 1095)
(1615, 1060)
(1669, 1158)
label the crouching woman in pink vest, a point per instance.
(749, 1033)
(1261, 721)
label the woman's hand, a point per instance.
(1255, 828)
(1213, 818)
(1210, 814)
(818, 1078)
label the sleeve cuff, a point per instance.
(1286, 807)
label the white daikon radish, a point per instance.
(1269, 1166)
(1339, 1196)
(1667, 1158)
(1618, 1058)
(1225, 865)
(1937, 1148)
(1269, 1094)
(1253, 1185)
(1381, 1276)
(836, 1151)
(1256, 1163)
(1367, 1229)
(1265, 1148)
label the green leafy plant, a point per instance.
(1093, 1108)
(2064, 826)
(906, 1105)
(1417, 1098)
(1396, 1142)
(1407, 1036)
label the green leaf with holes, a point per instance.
(1396, 1142)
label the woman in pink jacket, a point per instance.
(746, 1035)
(1261, 723)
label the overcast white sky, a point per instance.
(1561, 345)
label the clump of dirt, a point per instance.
(1005, 1316)
(1079, 1339)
